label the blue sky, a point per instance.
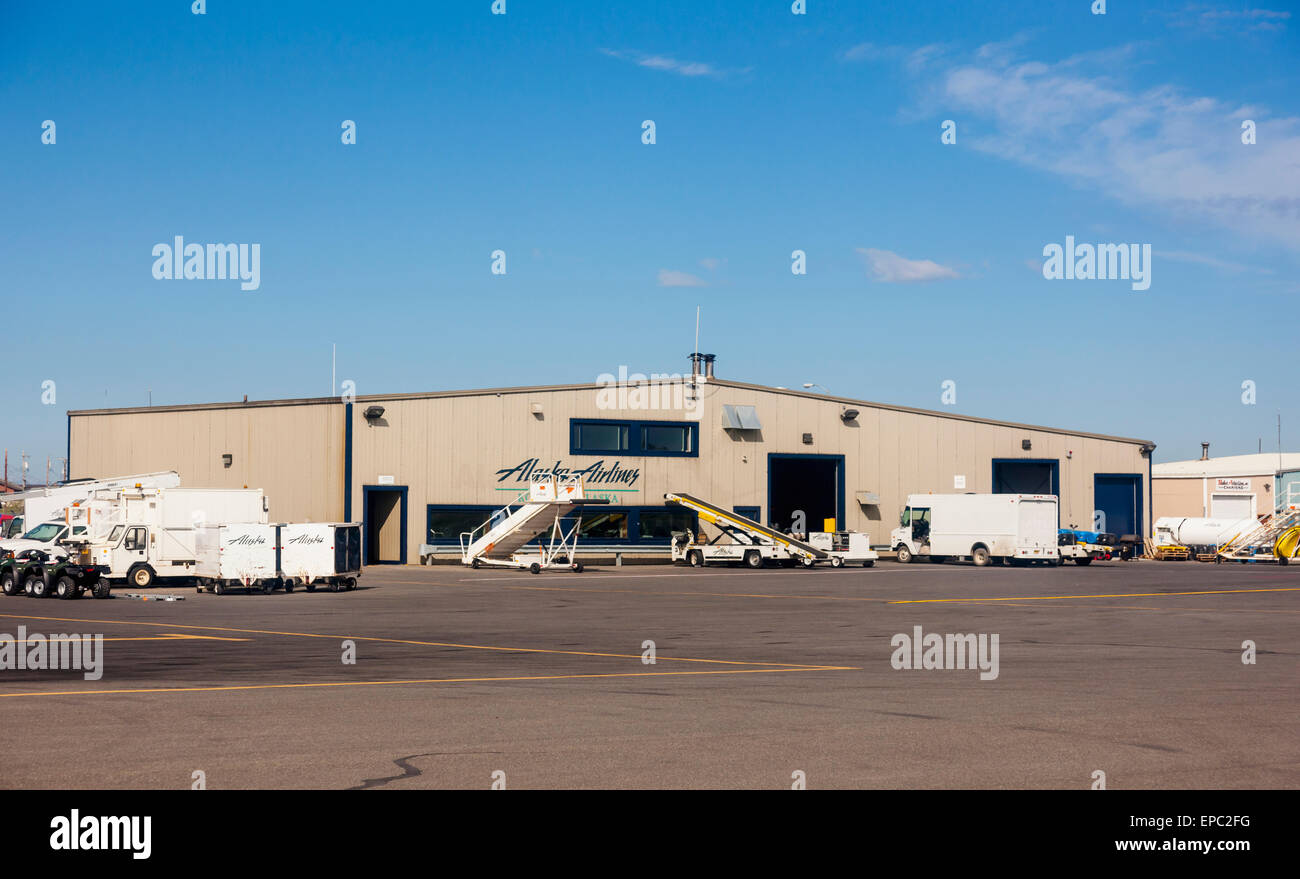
(774, 132)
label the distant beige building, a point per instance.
(421, 468)
(1229, 487)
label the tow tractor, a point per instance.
(751, 544)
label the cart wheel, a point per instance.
(268, 586)
(534, 568)
(219, 588)
(868, 563)
(351, 583)
(310, 587)
(474, 562)
(336, 586)
(288, 585)
(837, 561)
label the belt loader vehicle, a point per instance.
(997, 528)
(320, 553)
(746, 542)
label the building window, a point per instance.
(640, 438)
(620, 525)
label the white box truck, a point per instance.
(48, 503)
(320, 553)
(982, 527)
(141, 535)
(237, 556)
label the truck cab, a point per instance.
(912, 536)
(124, 554)
(45, 537)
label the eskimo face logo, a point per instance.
(248, 540)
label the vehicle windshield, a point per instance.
(919, 514)
(116, 533)
(44, 532)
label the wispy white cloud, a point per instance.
(1211, 261)
(713, 263)
(890, 268)
(672, 65)
(671, 278)
(1218, 20)
(1158, 147)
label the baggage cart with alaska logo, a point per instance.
(316, 554)
(241, 556)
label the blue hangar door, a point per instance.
(1117, 503)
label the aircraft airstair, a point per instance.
(532, 531)
(1277, 536)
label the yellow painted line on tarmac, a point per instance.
(407, 641)
(1110, 595)
(641, 674)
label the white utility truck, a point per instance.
(237, 556)
(140, 535)
(320, 553)
(48, 503)
(852, 547)
(47, 537)
(982, 527)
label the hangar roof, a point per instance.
(1228, 465)
(484, 392)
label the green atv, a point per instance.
(35, 573)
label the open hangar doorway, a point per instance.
(383, 524)
(813, 484)
(1028, 476)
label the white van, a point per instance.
(982, 527)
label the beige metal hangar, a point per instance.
(420, 468)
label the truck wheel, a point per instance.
(868, 563)
(1083, 561)
(65, 588)
(695, 558)
(837, 561)
(8, 584)
(807, 562)
(102, 588)
(140, 576)
(904, 555)
(980, 556)
(753, 559)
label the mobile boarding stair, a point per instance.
(507, 539)
(752, 544)
(1275, 538)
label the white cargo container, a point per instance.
(981, 527)
(316, 553)
(140, 535)
(852, 547)
(238, 555)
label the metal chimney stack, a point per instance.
(708, 364)
(1205, 451)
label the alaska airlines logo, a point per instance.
(248, 540)
(307, 538)
(592, 474)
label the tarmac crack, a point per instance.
(408, 770)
